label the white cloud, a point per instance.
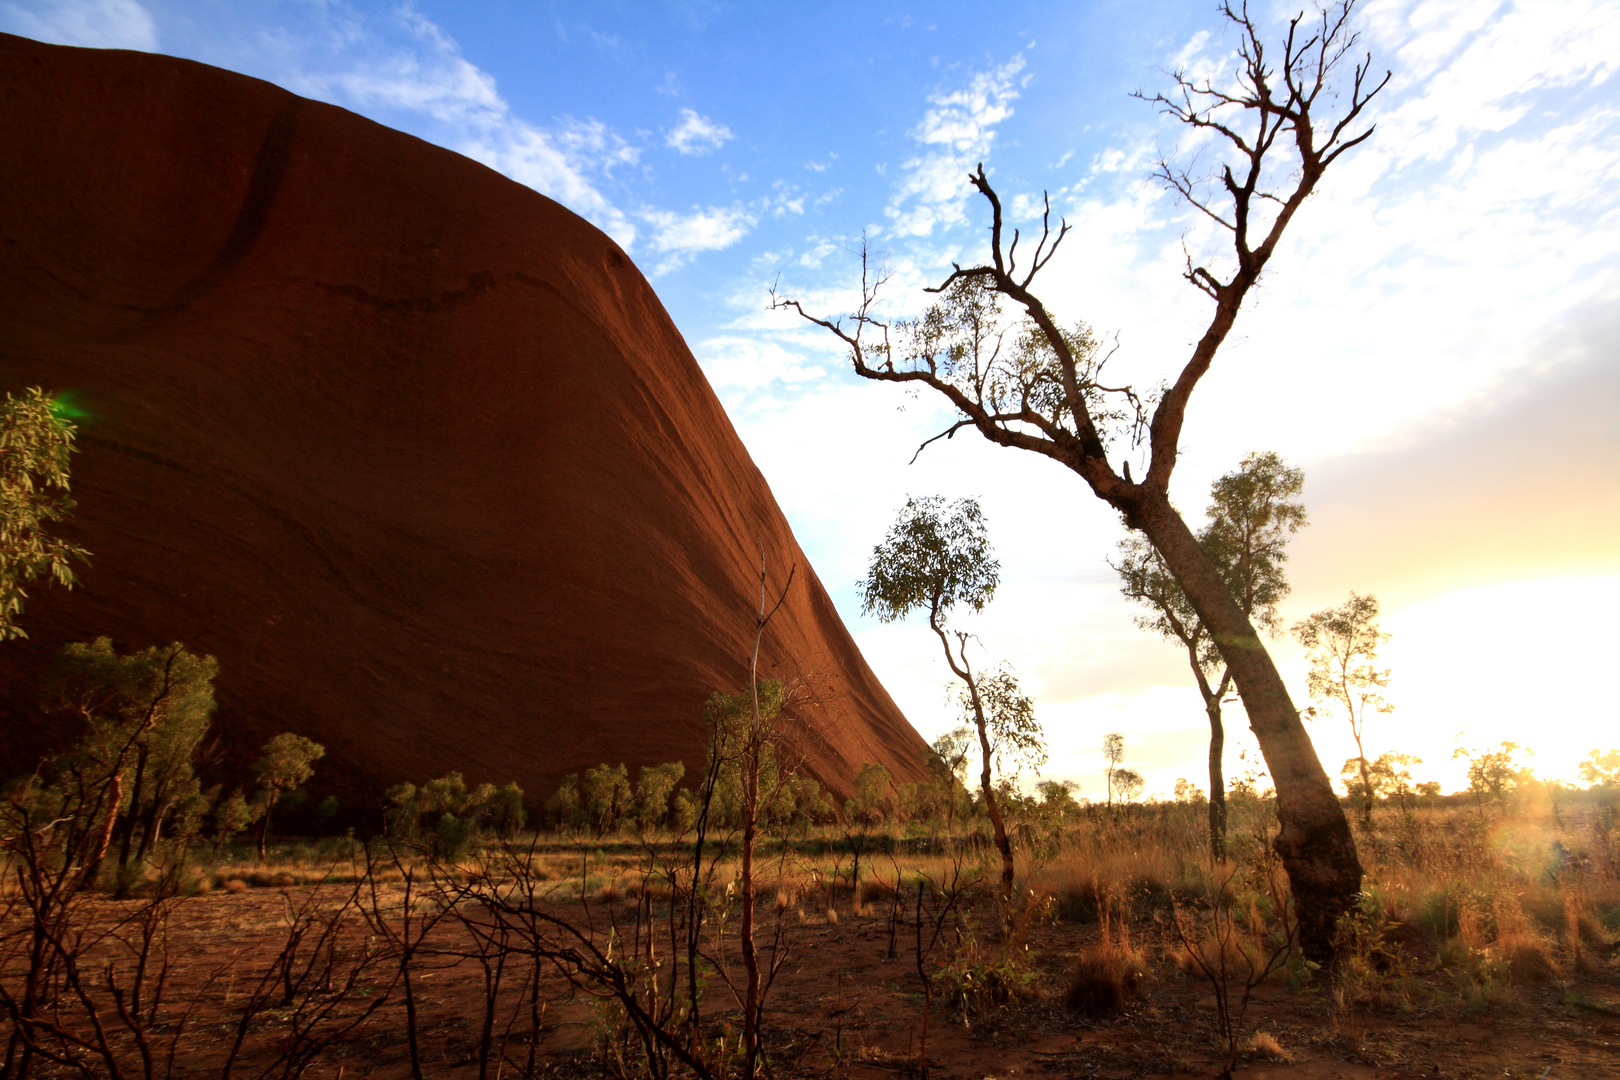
(421, 71)
(96, 24)
(956, 133)
(1432, 269)
(739, 362)
(680, 236)
(697, 134)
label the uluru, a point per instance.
(413, 450)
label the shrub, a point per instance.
(1103, 979)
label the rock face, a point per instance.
(413, 450)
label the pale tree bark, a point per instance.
(1213, 697)
(964, 671)
(1268, 112)
(752, 750)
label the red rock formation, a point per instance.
(413, 450)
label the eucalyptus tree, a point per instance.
(144, 716)
(1342, 645)
(36, 442)
(1271, 130)
(1113, 751)
(1253, 511)
(285, 762)
(937, 557)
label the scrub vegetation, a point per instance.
(163, 915)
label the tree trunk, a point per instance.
(997, 824)
(1217, 750)
(1217, 781)
(749, 954)
(264, 826)
(1314, 840)
(1366, 789)
(127, 840)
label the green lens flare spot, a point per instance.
(68, 406)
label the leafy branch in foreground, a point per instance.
(36, 441)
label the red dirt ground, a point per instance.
(841, 1009)
(413, 450)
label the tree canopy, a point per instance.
(36, 442)
(935, 556)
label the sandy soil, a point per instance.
(842, 1008)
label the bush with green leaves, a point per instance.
(606, 796)
(655, 785)
(144, 715)
(449, 817)
(36, 441)
(286, 762)
(788, 794)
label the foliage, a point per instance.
(605, 796)
(1253, 512)
(144, 715)
(1498, 771)
(1113, 751)
(36, 442)
(787, 794)
(963, 340)
(935, 556)
(1342, 645)
(871, 804)
(1390, 775)
(1126, 784)
(654, 786)
(286, 762)
(1602, 768)
(1014, 733)
(449, 816)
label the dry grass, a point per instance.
(1265, 1045)
(1103, 979)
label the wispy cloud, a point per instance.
(96, 24)
(956, 133)
(412, 66)
(680, 236)
(697, 134)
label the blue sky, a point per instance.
(1438, 343)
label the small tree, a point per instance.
(1391, 776)
(935, 557)
(606, 796)
(36, 441)
(1057, 796)
(1127, 783)
(284, 764)
(1497, 772)
(1253, 511)
(1342, 644)
(1113, 751)
(144, 716)
(654, 786)
(947, 760)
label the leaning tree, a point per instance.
(1279, 124)
(1253, 511)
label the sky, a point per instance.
(1436, 343)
